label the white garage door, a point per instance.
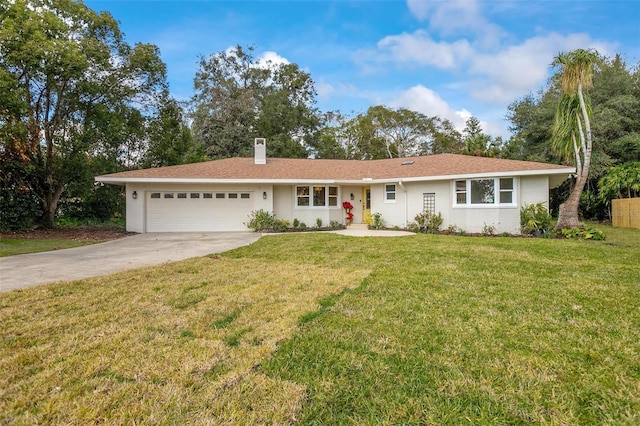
(197, 211)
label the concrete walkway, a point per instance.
(126, 253)
(361, 230)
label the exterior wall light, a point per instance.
(264, 195)
(352, 196)
(134, 195)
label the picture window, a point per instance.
(483, 191)
(489, 192)
(317, 196)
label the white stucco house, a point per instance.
(470, 192)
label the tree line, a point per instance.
(77, 100)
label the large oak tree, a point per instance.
(383, 132)
(72, 88)
(239, 97)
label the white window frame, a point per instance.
(388, 192)
(302, 194)
(497, 191)
(511, 190)
(332, 197)
(310, 196)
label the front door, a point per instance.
(366, 204)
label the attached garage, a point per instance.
(201, 211)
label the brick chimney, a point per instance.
(260, 151)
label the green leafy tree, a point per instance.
(67, 72)
(615, 100)
(239, 98)
(343, 138)
(169, 138)
(478, 143)
(332, 141)
(18, 204)
(366, 142)
(405, 133)
(381, 132)
(287, 116)
(572, 126)
(616, 108)
(446, 139)
(531, 123)
(621, 182)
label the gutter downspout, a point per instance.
(406, 208)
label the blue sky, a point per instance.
(452, 58)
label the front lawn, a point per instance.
(327, 329)
(14, 246)
(62, 237)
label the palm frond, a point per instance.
(565, 126)
(577, 69)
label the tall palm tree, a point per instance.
(572, 127)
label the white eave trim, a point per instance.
(363, 181)
(122, 181)
(565, 171)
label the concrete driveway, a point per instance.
(132, 252)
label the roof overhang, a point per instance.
(123, 181)
(564, 171)
(558, 172)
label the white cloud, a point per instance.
(267, 59)
(447, 16)
(516, 70)
(324, 89)
(457, 17)
(426, 101)
(421, 49)
(272, 58)
(491, 67)
(496, 75)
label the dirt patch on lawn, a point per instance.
(79, 233)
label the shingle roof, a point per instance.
(429, 166)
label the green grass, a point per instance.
(14, 246)
(460, 330)
(327, 329)
(618, 236)
(175, 344)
